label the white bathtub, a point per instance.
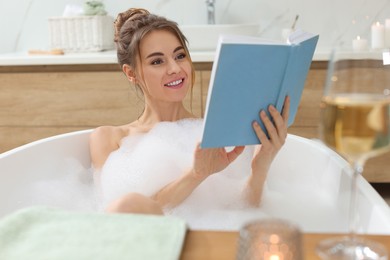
(300, 161)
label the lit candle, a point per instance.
(359, 44)
(273, 257)
(273, 249)
(270, 239)
(377, 36)
(387, 33)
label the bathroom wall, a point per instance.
(23, 23)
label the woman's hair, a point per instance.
(131, 27)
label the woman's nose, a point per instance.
(173, 67)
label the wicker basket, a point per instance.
(82, 33)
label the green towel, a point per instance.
(52, 234)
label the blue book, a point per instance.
(248, 75)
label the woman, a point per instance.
(153, 55)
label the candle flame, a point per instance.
(358, 37)
(274, 257)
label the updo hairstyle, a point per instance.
(131, 27)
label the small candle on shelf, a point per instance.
(387, 33)
(359, 44)
(377, 36)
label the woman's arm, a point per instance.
(177, 191)
(265, 153)
(206, 163)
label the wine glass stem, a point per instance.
(353, 218)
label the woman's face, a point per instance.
(165, 68)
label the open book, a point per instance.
(248, 75)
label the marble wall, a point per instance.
(24, 23)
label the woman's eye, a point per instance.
(157, 62)
(181, 56)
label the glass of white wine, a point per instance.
(355, 122)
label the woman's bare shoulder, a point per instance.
(104, 140)
(107, 134)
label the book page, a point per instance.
(296, 37)
(299, 36)
(244, 39)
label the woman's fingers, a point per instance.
(269, 125)
(276, 128)
(260, 133)
(212, 160)
(279, 126)
(233, 154)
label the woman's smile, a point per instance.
(175, 84)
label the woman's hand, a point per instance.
(206, 162)
(265, 153)
(277, 132)
(212, 160)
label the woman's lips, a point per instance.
(175, 84)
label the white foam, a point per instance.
(146, 163)
(72, 189)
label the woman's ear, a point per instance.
(130, 73)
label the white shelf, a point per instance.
(109, 57)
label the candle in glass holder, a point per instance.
(270, 239)
(359, 44)
(377, 36)
(387, 33)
